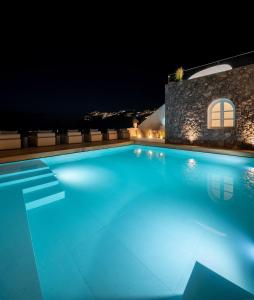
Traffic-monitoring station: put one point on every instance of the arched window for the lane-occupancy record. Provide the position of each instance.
(220, 187)
(221, 113)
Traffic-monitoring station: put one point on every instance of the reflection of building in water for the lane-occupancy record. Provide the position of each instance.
(149, 154)
(138, 152)
(191, 163)
(191, 172)
(220, 187)
(249, 179)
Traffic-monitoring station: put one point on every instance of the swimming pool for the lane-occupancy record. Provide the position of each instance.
(130, 222)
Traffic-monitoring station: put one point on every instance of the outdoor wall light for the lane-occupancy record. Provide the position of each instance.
(192, 135)
(249, 140)
(135, 123)
(248, 133)
(161, 134)
(191, 129)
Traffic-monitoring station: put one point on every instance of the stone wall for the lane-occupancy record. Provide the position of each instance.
(187, 103)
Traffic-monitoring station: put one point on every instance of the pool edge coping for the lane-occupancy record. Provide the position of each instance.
(231, 152)
(85, 148)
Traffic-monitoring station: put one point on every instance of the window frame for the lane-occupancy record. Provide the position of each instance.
(221, 101)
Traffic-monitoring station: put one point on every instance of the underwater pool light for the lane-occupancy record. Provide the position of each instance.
(84, 176)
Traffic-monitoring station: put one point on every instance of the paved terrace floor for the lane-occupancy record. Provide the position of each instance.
(37, 152)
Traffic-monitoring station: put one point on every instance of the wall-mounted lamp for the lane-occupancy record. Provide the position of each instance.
(135, 123)
(248, 133)
(191, 130)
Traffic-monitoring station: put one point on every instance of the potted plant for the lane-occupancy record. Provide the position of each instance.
(179, 74)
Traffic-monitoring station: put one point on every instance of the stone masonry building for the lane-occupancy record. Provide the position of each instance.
(215, 110)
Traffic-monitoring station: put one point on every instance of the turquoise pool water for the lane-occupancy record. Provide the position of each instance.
(131, 222)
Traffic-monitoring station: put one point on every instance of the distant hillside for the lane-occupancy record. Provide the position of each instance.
(35, 121)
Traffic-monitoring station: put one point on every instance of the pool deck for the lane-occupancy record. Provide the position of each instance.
(7, 156)
(37, 152)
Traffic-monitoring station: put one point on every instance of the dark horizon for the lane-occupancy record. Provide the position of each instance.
(64, 76)
(118, 79)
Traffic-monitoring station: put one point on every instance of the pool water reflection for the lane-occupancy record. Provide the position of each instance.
(135, 220)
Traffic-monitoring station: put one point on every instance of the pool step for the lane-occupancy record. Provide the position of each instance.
(26, 176)
(39, 184)
(22, 167)
(43, 194)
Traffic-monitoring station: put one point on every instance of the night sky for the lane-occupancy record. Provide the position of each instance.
(66, 71)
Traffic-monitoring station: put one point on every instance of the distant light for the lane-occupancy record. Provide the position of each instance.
(161, 154)
(139, 135)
